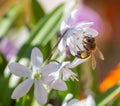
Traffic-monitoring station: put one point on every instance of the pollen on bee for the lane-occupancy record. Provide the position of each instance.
(84, 55)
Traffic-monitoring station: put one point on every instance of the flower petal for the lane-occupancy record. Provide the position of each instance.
(22, 89)
(61, 46)
(63, 64)
(49, 68)
(77, 103)
(48, 80)
(67, 73)
(72, 102)
(59, 85)
(63, 27)
(76, 62)
(48, 72)
(91, 32)
(71, 17)
(19, 70)
(40, 93)
(90, 101)
(36, 57)
(72, 45)
(83, 25)
(67, 98)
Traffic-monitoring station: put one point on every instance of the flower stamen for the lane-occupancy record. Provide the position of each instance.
(37, 76)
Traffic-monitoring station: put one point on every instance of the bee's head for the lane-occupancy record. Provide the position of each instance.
(89, 39)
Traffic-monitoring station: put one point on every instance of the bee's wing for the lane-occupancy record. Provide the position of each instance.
(93, 61)
(99, 53)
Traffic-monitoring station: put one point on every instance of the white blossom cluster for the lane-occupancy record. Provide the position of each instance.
(68, 101)
(53, 75)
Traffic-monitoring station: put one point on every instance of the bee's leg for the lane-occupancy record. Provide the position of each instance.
(83, 54)
(79, 54)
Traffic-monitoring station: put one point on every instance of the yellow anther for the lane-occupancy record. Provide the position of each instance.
(84, 55)
(37, 76)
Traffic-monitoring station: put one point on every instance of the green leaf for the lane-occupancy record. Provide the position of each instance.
(48, 30)
(3, 63)
(50, 27)
(43, 31)
(106, 97)
(5, 91)
(8, 20)
(117, 102)
(37, 10)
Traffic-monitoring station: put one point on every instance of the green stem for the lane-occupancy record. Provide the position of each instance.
(54, 48)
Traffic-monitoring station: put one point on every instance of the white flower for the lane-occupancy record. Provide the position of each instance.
(89, 101)
(37, 76)
(66, 72)
(75, 43)
(62, 74)
(74, 32)
(73, 36)
(67, 98)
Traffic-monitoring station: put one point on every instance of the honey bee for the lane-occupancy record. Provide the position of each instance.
(90, 47)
